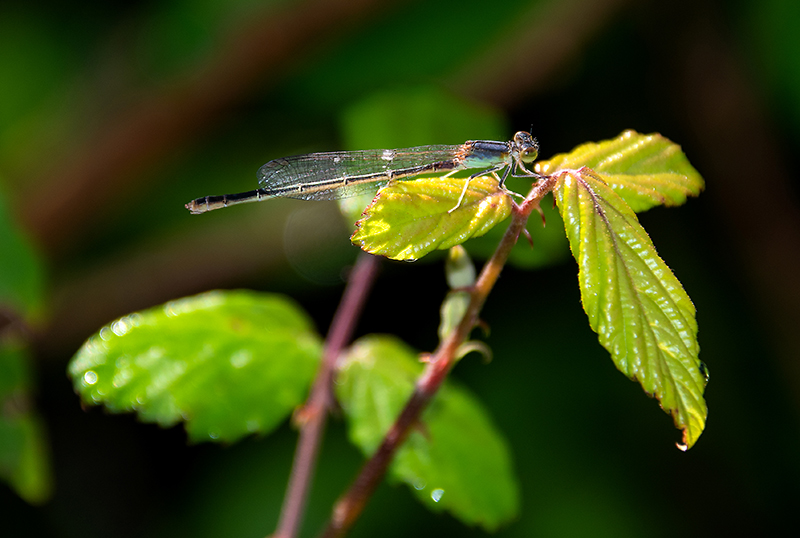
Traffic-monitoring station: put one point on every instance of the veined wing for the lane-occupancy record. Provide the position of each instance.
(339, 174)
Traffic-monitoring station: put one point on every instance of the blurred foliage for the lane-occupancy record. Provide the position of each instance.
(75, 75)
(24, 450)
(22, 275)
(418, 116)
(773, 46)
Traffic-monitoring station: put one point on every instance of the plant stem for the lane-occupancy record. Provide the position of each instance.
(348, 508)
(311, 418)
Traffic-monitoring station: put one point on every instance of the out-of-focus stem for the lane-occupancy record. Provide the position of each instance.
(312, 417)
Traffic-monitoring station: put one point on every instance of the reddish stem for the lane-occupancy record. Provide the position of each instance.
(352, 503)
(311, 418)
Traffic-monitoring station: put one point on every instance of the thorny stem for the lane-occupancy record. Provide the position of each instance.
(311, 418)
(348, 508)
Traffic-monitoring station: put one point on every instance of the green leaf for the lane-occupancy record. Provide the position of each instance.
(226, 363)
(404, 116)
(24, 452)
(639, 310)
(21, 270)
(409, 219)
(456, 460)
(645, 170)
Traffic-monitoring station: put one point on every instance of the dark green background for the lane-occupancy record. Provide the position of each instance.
(115, 114)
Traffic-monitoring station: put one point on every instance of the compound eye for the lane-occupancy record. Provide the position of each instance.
(530, 154)
(522, 139)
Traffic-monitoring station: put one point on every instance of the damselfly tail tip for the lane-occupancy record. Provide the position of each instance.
(196, 207)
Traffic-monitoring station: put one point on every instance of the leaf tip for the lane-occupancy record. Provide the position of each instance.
(687, 441)
(691, 433)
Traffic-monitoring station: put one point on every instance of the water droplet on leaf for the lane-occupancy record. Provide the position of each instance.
(704, 371)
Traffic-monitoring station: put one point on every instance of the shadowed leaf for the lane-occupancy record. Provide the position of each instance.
(24, 448)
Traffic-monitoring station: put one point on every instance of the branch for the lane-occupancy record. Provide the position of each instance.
(352, 503)
(312, 416)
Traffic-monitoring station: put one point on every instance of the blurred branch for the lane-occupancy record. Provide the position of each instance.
(545, 40)
(60, 204)
(312, 416)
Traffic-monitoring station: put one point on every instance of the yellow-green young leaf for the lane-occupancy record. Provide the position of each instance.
(639, 310)
(645, 170)
(455, 460)
(409, 219)
(225, 363)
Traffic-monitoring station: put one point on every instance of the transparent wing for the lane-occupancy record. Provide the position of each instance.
(340, 174)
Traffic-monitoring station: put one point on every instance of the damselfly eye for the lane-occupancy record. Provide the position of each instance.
(530, 154)
(521, 138)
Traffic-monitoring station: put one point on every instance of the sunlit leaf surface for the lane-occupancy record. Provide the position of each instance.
(639, 310)
(225, 363)
(408, 219)
(456, 460)
(645, 170)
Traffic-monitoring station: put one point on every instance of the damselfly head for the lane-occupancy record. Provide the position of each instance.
(527, 146)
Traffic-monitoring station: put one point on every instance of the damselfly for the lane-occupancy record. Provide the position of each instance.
(339, 174)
